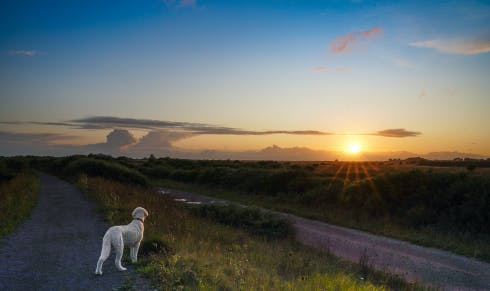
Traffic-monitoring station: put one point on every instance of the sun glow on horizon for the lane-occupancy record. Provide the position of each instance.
(354, 148)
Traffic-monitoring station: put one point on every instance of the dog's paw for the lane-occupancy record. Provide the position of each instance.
(98, 273)
(121, 268)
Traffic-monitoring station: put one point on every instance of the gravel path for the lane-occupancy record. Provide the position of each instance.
(429, 266)
(58, 246)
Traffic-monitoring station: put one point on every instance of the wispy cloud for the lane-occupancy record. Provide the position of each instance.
(25, 53)
(181, 3)
(16, 137)
(455, 46)
(320, 69)
(397, 132)
(346, 43)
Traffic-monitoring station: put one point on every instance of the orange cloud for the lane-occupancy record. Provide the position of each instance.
(346, 43)
(319, 69)
(462, 47)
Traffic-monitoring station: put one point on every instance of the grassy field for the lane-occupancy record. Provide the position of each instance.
(17, 198)
(185, 251)
(442, 204)
(465, 244)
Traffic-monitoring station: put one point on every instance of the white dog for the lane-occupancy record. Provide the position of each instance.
(120, 236)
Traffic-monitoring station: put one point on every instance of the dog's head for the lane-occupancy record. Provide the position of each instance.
(140, 212)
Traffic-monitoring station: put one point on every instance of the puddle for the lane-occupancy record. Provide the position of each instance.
(193, 202)
(180, 199)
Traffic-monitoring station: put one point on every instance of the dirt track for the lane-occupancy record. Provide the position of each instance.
(415, 263)
(58, 246)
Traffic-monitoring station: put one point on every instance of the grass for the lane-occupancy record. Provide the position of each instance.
(478, 248)
(185, 252)
(17, 198)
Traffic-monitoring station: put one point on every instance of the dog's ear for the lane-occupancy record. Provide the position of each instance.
(135, 212)
(138, 211)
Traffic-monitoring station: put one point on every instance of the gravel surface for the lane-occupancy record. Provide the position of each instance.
(433, 267)
(58, 246)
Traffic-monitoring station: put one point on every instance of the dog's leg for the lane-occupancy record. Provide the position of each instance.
(119, 248)
(104, 254)
(134, 253)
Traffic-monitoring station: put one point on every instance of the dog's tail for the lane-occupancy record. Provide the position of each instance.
(106, 247)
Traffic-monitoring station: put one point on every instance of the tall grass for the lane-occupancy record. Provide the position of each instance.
(17, 198)
(181, 251)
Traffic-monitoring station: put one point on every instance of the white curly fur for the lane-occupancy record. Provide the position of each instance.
(121, 236)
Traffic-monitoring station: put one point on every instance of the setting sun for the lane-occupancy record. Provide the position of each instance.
(354, 148)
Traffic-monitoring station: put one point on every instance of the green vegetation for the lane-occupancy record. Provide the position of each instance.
(93, 165)
(253, 220)
(184, 251)
(442, 207)
(18, 191)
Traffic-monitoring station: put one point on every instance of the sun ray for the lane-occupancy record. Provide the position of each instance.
(369, 179)
(346, 177)
(336, 175)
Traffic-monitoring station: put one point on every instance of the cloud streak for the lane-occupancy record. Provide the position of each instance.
(347, 43)
(188, 129)
(397, 132)
(25, 53)
(108, 122)
(454, 46)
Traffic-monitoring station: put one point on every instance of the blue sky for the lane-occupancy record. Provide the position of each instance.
(254, 65)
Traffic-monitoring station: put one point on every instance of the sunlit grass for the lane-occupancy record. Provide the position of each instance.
(200, 254)
(17, 198)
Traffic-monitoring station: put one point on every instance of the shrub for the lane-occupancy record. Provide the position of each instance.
(106, 169)
(253, 220)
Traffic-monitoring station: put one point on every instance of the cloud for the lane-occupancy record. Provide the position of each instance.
(181, 3)
(398, 132)
(454, 46)
(319, 69)
(26, 53)
(14, 143)
(346, 43)
(157, 141)
(188, 129)
(33, 137)
(117, 142)
(108, 122)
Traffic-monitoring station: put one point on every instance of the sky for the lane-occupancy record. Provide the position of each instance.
(246, 79)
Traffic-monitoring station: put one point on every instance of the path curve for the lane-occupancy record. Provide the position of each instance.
(57, 247)
(429, 266)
